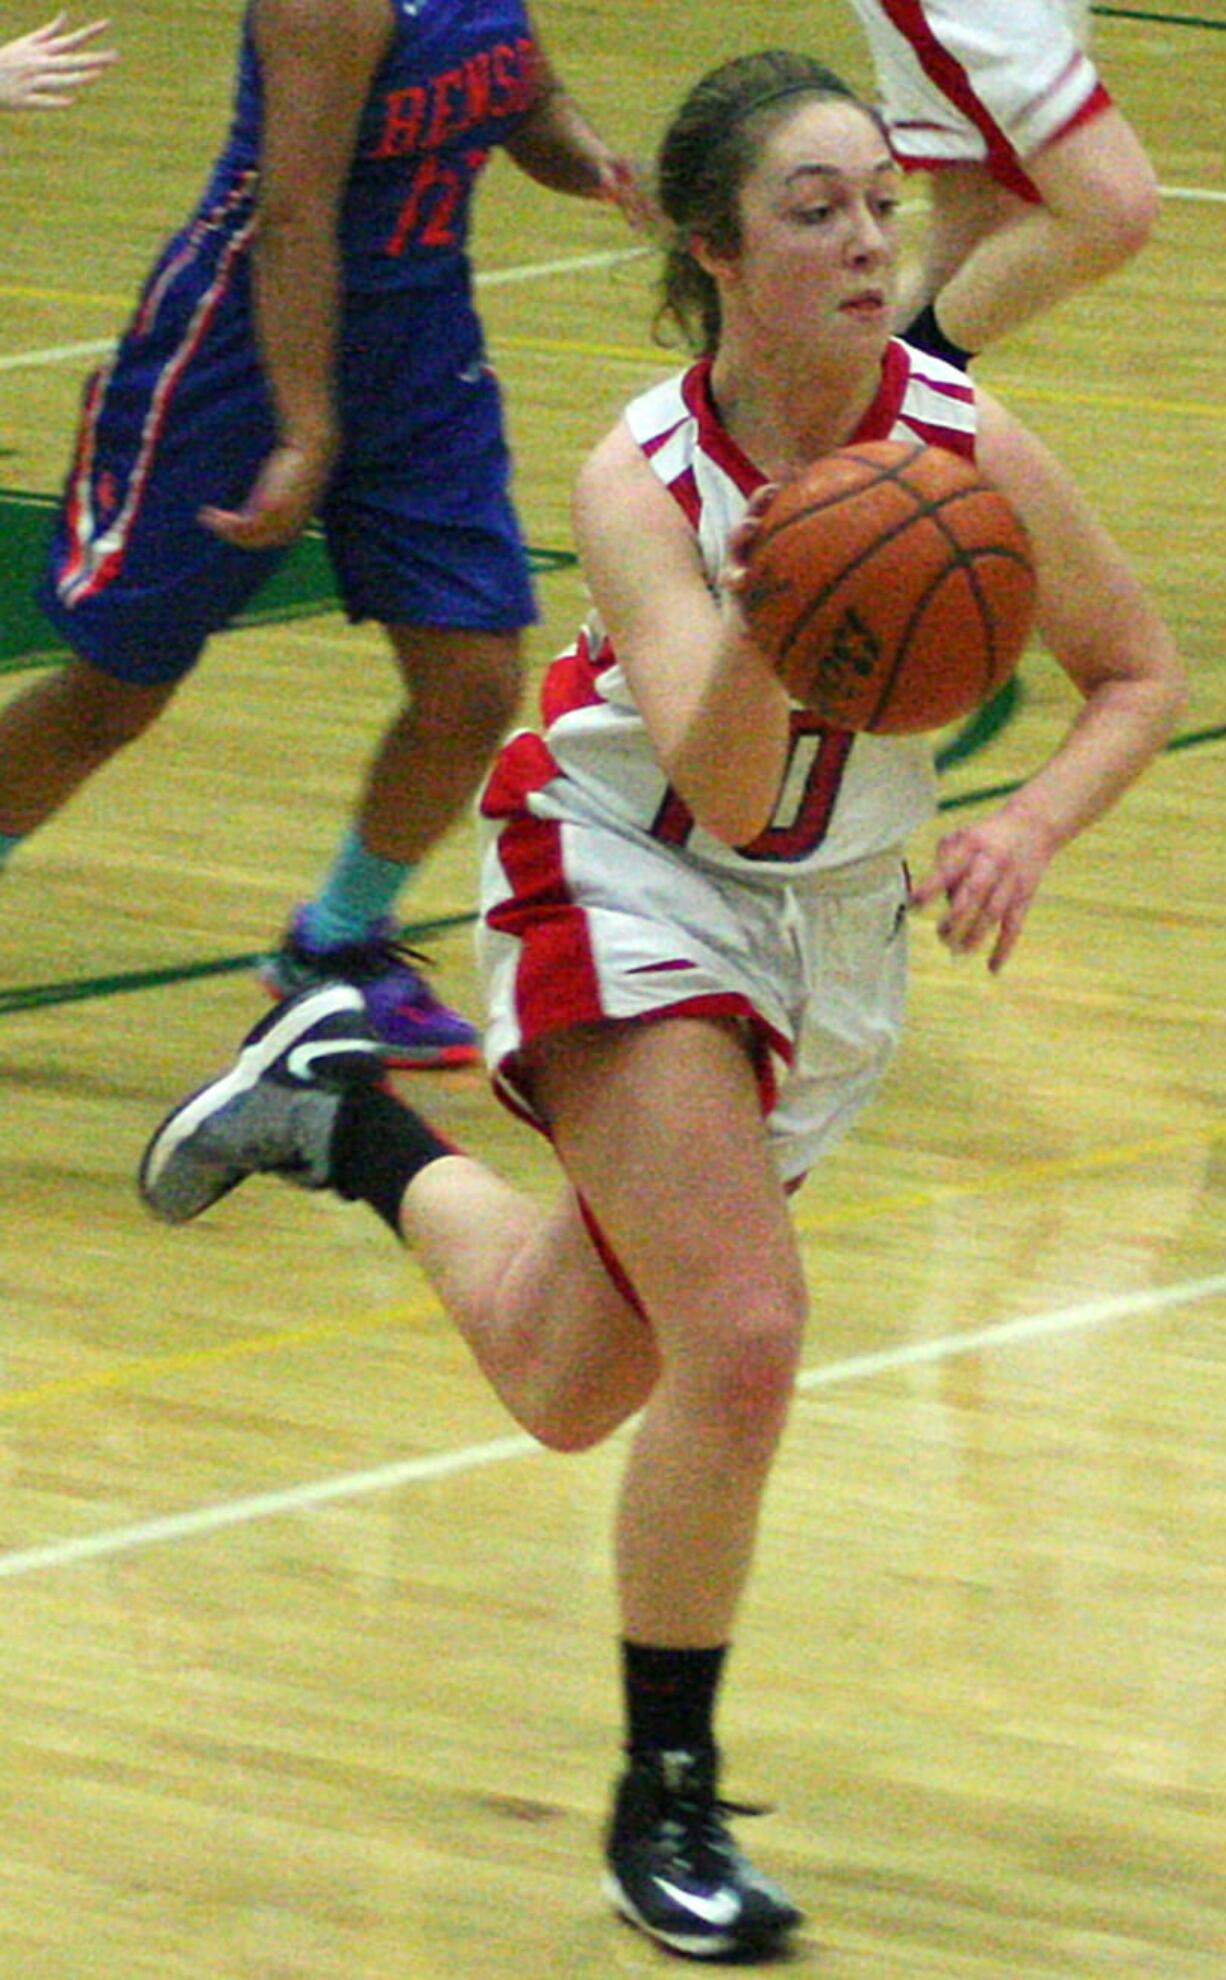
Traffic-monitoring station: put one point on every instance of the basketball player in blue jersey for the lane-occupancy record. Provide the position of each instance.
(694, 933)
(307, 345)
(43, 70)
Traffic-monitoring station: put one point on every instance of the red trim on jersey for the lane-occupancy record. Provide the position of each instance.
(717, 443)
(714, 439)
(85, 571)
(570, 679)
(879, 419)
(524, 765)
(684, 491)
(659, 440)
(955, 83)
(1097, 101)
(942, 436)
(556, 984)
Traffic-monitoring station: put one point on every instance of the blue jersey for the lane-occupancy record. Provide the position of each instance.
(418, 515)
(455, 83)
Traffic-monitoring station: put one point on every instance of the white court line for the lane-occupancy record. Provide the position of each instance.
(530, 271)
(492, 278)
(473, 1457)
(54, 354)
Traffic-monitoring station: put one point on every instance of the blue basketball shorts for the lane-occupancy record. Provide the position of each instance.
(417, 517)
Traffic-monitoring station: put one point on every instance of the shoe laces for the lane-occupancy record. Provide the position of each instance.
(693, 1825)
(376, 955)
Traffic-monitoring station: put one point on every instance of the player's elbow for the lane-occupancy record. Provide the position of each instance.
(735, 818)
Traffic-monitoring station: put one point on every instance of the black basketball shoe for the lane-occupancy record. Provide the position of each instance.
(675, 1872)
(272, 1112)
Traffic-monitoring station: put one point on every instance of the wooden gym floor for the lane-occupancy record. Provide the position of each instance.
(308, 1658)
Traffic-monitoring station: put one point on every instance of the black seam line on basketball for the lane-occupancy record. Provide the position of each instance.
(926, 508)
(43, 996)
(815, 508)
(963, 560)
(963, 563)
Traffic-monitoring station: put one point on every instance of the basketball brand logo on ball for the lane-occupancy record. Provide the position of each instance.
(893, 587)
(852, 658)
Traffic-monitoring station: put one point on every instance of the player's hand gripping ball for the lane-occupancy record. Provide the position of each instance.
(892, 587)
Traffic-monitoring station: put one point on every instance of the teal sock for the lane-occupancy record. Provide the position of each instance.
(7, 841)
(360, 889)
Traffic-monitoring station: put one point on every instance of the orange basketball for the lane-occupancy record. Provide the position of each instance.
(892, 586)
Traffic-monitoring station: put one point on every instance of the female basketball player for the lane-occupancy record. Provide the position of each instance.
(43, 70)
(1038, 185)
(308, 343)
(694, 931)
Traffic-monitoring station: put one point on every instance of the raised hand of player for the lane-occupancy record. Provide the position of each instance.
(44, 70)
(988, 874)
(284, 497)
(622, 185)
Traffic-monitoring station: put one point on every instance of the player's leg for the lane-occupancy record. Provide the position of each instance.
(461, 691)
(659, 1127)
(425, 540)
(134, 585)
(1038, 184)
(303, 1099)
(55, 733)
(965, 205)
(1099, 204)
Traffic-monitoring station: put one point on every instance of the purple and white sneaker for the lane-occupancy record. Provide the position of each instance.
(415, 1030)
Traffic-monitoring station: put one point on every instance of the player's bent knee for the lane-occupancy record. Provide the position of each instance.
(1121, 226)
(748, 1385)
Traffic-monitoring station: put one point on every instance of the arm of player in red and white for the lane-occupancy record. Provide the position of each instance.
(1106, 633)
(718, 719)
(317, 58)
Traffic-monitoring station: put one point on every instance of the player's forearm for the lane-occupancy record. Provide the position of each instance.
(297, 277)
(731, 749)
(1123, 725)
(559, 148)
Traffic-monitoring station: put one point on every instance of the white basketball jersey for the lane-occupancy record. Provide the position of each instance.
(844, 797)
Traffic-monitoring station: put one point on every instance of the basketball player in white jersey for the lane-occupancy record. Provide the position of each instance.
(1039, 185)
(694, 912)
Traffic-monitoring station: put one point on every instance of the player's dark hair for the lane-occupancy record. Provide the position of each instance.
(709, 149)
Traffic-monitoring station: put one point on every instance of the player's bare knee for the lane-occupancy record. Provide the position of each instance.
(748, 1384)
(478, 706)
(1125, 222)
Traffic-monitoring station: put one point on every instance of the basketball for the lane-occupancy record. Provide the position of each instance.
(892, 587)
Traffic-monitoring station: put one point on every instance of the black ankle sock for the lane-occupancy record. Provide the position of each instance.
(927, 335)
(378, 1146)
(670, 1697)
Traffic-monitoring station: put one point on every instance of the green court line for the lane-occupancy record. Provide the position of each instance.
(40, 996)
(302, 585)
(1166, 20)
